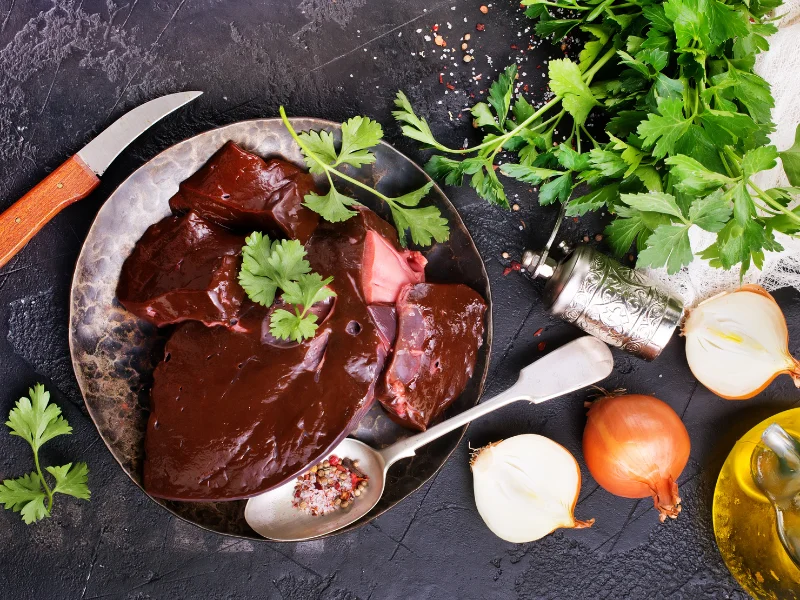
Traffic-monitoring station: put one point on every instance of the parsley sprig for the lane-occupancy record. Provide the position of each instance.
(686, 129)
(37, 421)
(270, 265)
(359, 134)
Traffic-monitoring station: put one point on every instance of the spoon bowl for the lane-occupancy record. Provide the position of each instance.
(272, 515)
(575, 365)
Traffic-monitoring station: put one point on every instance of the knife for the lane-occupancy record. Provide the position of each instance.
(79, 175)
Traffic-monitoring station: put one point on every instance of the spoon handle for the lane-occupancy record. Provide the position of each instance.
(575, 365)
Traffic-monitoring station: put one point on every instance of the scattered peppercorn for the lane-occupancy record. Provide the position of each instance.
(484, 9)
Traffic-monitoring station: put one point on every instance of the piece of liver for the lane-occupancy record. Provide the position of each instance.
(183, 268)
(440, 329)
(234, 415)
(239, 190)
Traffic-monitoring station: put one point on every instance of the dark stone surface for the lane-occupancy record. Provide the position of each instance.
(68, 68)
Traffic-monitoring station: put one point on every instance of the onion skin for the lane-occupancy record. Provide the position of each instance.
(793, 371)
(637, 446)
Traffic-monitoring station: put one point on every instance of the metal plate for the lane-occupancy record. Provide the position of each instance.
(114, 353)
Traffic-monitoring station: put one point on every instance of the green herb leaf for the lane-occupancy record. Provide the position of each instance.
(71, 480)
(759, 159)
(558, 189)
(35, 420)
(25, 496)
(711, 213)
(424, 224)
(668, 246)
(694, 178)
(269, 265)
(528, 174)
(500, 93)
(654, 202)
(413, 126)
(791, 160)
(359, 134)
(321, 144)
(664, 129)
(291, 326)
(333, 206)
(484, 117)
(594, 200)
(567, 83)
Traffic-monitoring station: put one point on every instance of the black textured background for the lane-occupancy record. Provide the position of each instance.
(68, 68)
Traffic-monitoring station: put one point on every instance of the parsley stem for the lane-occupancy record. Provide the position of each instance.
(772, 202)
(329, 169)
(566, 6)
(47, 489)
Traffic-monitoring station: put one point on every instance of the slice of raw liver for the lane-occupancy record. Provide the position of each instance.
(440, 329)
(183, 268)
(239, 190)
(233, 414)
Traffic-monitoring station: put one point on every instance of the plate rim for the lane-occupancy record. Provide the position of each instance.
(373, 514)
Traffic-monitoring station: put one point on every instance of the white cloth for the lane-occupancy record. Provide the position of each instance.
(780, 67)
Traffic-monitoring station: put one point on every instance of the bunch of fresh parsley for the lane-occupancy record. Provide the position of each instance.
(359, 134)
(686, 129)
(268, 266)
(37, 422)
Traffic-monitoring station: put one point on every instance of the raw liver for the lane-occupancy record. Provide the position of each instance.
(183, 268)
(233, 416)
(440, 328)
(239, 190)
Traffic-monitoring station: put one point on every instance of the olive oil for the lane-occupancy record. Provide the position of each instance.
(745, 520)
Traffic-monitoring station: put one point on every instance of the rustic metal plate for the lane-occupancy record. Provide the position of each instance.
(114, 353)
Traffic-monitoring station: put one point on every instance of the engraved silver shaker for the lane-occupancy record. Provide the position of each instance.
(616, 304)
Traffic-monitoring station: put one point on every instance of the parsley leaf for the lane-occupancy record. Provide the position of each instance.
(791, 160)
(303, 294)
(664, 129)
(25, 496)
(500, 93)
(567, 83)
(268, 266)
(333, 206)
(359, 134)
(37, 421)
(71, 480)
(668, 246)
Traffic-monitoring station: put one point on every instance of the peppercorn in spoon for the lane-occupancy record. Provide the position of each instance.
(277, 516)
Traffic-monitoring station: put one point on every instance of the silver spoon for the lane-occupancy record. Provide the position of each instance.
(580, 363)
(775, 467)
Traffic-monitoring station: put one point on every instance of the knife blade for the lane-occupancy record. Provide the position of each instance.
(80, 174)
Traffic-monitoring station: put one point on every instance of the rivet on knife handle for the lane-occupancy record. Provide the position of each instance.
(69, 183)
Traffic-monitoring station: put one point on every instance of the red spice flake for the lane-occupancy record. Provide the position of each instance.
(525, 88)
(541, 346)
(334, 460)
(441, 77)
(459, 116)
(514, 47)
(538, 332)
(514, 266)
(574, 219)
(538, 66)
(450, 86)
(435, 27)
(480, 26)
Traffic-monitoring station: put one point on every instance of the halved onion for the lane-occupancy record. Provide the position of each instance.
(526, 487)
(737, 343)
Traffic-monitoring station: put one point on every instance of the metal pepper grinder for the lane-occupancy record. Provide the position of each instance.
(616, 304)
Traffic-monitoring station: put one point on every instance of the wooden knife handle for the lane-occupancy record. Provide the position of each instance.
(69, 183)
